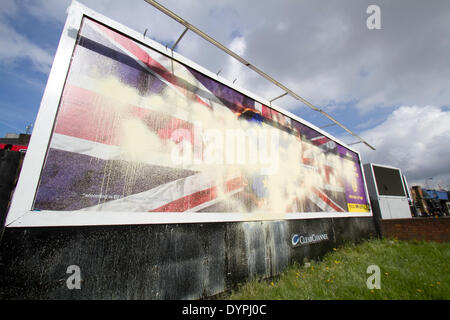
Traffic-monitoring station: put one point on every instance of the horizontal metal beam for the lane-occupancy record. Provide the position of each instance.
(249, 65)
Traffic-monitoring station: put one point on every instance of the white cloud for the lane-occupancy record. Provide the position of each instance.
(8, 8)
(16, 46)
(414, 139)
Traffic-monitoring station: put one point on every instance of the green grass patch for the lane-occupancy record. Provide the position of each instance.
(409, 270)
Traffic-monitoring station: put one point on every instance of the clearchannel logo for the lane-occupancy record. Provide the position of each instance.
(298, 240)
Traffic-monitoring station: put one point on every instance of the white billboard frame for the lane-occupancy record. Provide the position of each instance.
(21, 214)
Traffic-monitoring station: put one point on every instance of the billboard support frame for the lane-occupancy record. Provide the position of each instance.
(21, 213)
(252, 67)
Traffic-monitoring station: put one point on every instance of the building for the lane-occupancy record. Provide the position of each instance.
(438, 202)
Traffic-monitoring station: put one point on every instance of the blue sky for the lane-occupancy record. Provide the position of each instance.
(377, 82)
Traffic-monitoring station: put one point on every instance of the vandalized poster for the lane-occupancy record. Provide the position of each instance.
(137, 131)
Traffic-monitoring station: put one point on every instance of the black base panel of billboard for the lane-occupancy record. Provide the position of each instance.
(170, 261)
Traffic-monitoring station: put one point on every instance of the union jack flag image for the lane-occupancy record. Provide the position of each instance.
(126, 107)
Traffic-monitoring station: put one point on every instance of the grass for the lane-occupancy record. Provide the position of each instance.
(409, 270)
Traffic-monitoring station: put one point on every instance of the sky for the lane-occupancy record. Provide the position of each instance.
(390, 85)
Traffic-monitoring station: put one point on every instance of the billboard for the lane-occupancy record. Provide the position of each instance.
(131, 132)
